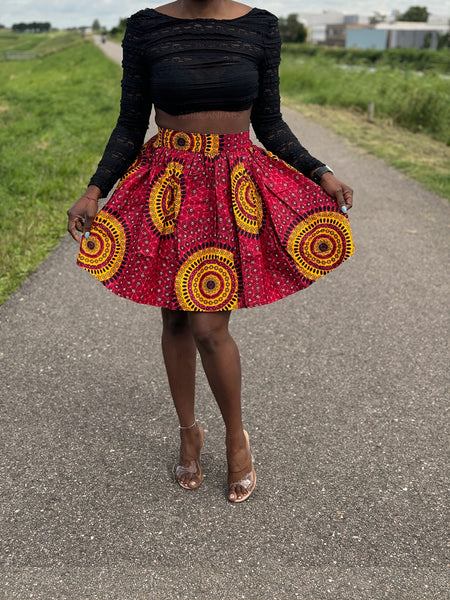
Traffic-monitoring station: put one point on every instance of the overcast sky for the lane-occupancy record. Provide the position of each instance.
(74, 13)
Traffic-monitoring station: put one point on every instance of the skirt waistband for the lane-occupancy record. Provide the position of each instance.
(210, 144)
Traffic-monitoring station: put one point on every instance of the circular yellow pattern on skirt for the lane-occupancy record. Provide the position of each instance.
(183, 141)
(247, 203)
(166, 195)
(207, 281)
(320, 243)
(102, 254)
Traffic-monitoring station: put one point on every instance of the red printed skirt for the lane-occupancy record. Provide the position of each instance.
(209, 222)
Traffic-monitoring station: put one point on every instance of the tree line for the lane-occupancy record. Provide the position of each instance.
(34, 27)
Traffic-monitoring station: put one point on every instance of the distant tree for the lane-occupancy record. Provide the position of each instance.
(120, 28)
(427, 40)
(2, 26)
(377, 17)
(415, 13)
(33, 27)
(96, 25)
(291, 30)
(443, 41)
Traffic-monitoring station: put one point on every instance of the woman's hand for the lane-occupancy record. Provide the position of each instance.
(337, 189)
(82, 213)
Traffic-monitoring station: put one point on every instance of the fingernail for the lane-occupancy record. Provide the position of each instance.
(344, 209)
(86, 235)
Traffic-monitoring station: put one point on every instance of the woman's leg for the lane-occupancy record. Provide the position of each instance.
(179, 351)
(222, 365)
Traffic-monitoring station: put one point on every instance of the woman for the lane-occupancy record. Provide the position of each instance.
(202, 221)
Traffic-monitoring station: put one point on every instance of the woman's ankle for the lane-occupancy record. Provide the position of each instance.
(185, 427)
(237, 446)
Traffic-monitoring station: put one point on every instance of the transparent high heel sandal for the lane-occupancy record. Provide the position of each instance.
(191, 468)
(247, 481)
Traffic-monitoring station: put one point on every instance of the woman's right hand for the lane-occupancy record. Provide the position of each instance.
(82, 213)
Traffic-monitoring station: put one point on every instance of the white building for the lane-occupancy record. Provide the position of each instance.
(316, 23)
(410, 34)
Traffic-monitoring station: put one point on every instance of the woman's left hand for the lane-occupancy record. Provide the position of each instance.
(337, 189)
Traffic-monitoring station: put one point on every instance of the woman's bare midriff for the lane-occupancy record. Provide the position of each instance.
(217, 121)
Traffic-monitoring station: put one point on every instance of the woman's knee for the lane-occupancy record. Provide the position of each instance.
(209, 330)
(175, 322)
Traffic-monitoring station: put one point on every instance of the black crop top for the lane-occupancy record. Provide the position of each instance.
(184, 66)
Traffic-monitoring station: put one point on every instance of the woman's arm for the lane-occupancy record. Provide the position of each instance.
(266, 118)
(135, 107)
(126, 139)
(275, 134)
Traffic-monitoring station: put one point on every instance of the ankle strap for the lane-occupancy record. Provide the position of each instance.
(189, 427)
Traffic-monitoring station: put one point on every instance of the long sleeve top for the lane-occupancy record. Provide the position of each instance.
(184, 66)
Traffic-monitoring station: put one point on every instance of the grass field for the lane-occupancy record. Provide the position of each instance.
(409, 59)
(56, 114)
(40, 44)
(413, 100)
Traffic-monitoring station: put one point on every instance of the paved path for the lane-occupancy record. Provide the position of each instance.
(345, 390)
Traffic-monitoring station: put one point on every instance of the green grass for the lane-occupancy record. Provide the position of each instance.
(39, 43)
(417, 102)
(403, 58)
(56, 114)
(414, 154)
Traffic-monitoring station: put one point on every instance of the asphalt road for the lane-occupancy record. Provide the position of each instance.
(345, 395)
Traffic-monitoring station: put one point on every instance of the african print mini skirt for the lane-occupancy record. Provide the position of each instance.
(209, 222)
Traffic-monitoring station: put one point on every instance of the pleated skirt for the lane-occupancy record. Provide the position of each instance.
(211, 222)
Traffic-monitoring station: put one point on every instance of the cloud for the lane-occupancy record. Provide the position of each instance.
(67, 13)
